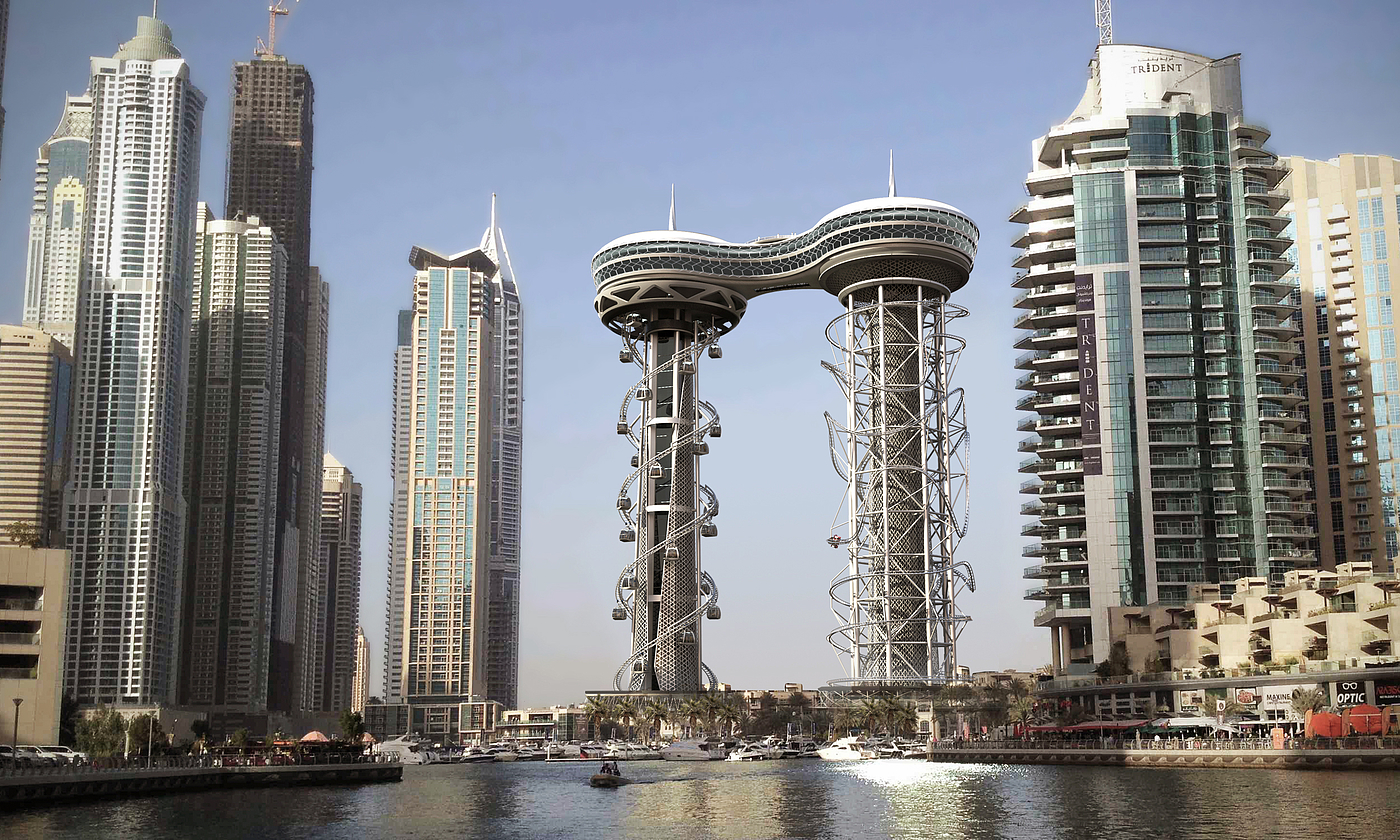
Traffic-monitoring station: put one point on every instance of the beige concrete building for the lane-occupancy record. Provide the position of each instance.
(555, 723)
(35, 375)
(33, 588)
(1344, 214)
(337, 605)
(1318, 621)
(359, 693)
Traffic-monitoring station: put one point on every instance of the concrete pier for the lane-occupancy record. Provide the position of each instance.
(62, 784)
(1266, 759)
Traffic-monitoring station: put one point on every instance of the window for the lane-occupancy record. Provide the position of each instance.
(1329, 417)
(1334, 483)
(1332, 449)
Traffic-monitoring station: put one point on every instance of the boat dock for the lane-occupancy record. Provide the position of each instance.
(1310, 758)
(73, 783)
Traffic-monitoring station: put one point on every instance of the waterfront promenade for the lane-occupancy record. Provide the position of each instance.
(1358, 753)
(51, 784)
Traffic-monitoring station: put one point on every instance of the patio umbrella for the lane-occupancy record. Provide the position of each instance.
(315, 736)
(1364, 719)
(1327, 725)
(367, 738)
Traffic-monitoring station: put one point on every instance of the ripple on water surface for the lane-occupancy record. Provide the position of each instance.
(679, 801)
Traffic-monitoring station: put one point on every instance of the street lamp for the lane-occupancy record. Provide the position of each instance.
(14, 741)
(150, 738)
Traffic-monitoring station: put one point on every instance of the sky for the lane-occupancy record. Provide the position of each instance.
(765, 115)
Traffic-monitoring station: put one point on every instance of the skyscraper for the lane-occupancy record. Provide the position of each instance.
(306, 587)
(235, 390)
(503, 565)
(269, 176)
(359, 693)
(1344, 215)
(399, 475)
(56, 224)
(124, 509)
(446, 553)
(36, 373)
(1160, 336)
(338, 608)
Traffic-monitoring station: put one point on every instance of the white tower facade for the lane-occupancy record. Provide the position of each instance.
(124, 510)
(503, 565)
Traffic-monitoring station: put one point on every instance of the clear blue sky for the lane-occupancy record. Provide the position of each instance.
(766, 114)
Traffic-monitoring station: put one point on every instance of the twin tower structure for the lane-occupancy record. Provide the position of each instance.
(893, 263)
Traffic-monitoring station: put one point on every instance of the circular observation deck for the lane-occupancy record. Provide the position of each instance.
(868, 242)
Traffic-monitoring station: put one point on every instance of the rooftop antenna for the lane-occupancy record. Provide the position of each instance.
(155, 8)
(273, 13)
(673, 207)
(1103, 17)
(892, 192)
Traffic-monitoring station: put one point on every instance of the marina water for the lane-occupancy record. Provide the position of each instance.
(770, 799)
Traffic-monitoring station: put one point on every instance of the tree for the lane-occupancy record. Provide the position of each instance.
(239, 738)
(1117, 663)
(870, 712)
(1022, 713)
(1019, 689)
(656, 712)
(102, 733)
(200, 729)
(597, 709)
(25, 534)
(1308, 700)
(68, 721)
(690, 710)
(900, 717)
(352, 725)
(733, 716)
(144, 729)
(626, 710)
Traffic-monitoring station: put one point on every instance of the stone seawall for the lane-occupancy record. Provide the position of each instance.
(1309, 759)
(53, 787)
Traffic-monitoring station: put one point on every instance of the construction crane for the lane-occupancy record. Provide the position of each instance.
(1103, 17)
(273, 13)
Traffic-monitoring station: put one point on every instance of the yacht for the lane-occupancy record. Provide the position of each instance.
(843, 749)
(692, 750)
(403, 749)
(502, 754)
(749, 752)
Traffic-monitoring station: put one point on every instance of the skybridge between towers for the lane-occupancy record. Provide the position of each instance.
(901, 447)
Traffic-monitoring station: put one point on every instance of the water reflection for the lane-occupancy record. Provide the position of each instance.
(720, 800)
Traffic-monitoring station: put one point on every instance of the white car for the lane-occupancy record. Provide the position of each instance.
(67, 754)
(38, 757)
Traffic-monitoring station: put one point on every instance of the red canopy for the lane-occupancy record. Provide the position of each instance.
(1365, 719)
(1327, 725)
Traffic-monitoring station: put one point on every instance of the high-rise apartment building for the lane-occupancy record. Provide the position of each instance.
(446, 555)
(359, 692)
(231, 455)
(124, 505)
(338, 608)
(304, 583)
(503, 565)
(56, 224)
(399, 475)
(1161, 355)
(36, 374)
(269, 176)
(1344, 215)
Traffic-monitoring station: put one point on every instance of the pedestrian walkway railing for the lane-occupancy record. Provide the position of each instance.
(192, 762)
(1356, 742)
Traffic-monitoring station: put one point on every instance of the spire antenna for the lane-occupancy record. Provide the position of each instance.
(1103, 18)
(493, 211)
(892, 191)
(673, 207)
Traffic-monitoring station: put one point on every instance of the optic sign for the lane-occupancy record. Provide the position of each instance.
(1088, 373)
(1351, 693)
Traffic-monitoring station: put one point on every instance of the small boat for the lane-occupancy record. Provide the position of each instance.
(695, 750)
(609, 777)
(748, 752)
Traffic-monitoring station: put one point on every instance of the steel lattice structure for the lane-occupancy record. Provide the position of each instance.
(893, 262)
(903, 451)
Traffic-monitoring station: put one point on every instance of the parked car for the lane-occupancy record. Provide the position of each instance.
(7, 757)
(67, 754)
(37, 757)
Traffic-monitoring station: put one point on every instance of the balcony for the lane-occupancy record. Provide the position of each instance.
(20, 638)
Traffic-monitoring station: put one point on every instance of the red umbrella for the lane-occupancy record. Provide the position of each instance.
(1327, 725)
(1364, 719)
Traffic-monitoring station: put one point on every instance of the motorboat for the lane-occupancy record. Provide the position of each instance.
(563, 752)
(526, 754)
(475, 756)
(630, 752)
(749, 752)
(609, 776)
(843, 749)
(693, 750)
(404, 749)
(502, 754)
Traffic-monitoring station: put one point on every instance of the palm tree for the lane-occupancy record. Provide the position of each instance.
(900, 716)
(1019, 689)
(710, 708)
(597, 710)
(732, 716)
(656, 711)
(690, 710)
(846, 718)
(1308, 700)
(869, 712)
(626, 710)
(1022, 713)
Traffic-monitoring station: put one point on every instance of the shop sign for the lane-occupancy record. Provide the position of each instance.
(1349, 693)
(1190, 700)
(1388, 692)
(1246, 696)
(1279, 698)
